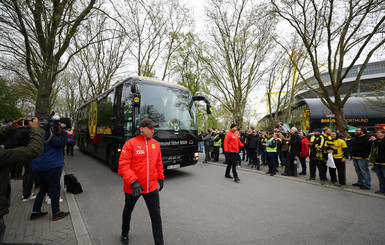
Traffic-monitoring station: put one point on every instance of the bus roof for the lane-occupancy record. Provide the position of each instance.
(138, 80)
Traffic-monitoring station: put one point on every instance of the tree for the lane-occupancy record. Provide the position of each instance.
(335, 38)
(378, 102)
(153, 28)
(8, 103)
(95, 67)
(241, 37)
(38, 34)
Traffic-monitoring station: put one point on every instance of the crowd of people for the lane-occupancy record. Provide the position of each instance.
(326, 150)
(41, 154)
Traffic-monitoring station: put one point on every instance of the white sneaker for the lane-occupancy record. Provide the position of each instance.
(31, 197)
(49, 200)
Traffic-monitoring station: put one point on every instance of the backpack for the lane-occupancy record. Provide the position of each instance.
(72, 184)
(71, 139)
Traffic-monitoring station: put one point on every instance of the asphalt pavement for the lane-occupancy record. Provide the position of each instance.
(200, 206)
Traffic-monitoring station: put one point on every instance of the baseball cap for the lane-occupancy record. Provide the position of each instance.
(148, 123)
(318, 130)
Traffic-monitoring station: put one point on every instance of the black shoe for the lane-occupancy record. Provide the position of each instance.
(285, 174)
(236, 180)
(228, 176)
(37, 215)
(272, 174)
(268, 172)
(60, 215)
(379, 193)
(364, 188)
(124, 239)
(356, 184)
(302, 174)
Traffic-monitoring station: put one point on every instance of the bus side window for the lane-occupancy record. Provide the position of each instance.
(127, 114)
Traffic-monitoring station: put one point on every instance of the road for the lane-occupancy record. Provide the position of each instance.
(200, 206)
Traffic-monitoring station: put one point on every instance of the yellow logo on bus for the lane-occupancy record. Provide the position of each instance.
(92, 119)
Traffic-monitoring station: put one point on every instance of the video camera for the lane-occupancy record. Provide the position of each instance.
(54, 122)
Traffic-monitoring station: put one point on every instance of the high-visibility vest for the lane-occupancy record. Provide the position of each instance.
(217, 143)
(270, 149)
(171, 124)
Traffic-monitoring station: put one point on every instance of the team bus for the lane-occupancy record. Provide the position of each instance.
(105, 123)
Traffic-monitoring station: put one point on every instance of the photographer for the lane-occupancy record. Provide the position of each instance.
(11, 156)
(48, 169)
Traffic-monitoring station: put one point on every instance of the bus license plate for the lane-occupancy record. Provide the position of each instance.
(173, 166)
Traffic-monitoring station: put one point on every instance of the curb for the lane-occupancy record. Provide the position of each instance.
(307, 182)
(81, 232)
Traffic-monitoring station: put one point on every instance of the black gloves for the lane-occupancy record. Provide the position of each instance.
(160, 181)
(136, 189)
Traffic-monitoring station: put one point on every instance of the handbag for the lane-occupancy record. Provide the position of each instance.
(330, 163)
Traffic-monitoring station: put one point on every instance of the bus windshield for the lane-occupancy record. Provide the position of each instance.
(168, 106)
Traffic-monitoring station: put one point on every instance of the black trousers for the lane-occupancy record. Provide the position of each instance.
(232, 164)
(216, 153)
(321, 165)
(303, 164)
(313, 167)
(253, 155)
(152, 202)
(341, 172)
(289, 165)
(270, 159)
(28, 179)
(207, 153)
(70, 149)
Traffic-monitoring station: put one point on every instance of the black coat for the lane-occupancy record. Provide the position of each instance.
(295, 144)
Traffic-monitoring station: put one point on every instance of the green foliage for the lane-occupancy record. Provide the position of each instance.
(8, 107)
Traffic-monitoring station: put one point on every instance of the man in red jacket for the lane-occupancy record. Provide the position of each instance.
(231, 146)
(141, 168)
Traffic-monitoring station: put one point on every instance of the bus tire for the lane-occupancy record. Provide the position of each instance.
(111, 160)
(82, 148)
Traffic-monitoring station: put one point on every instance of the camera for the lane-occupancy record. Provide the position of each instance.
(54, 122)
(26, 121)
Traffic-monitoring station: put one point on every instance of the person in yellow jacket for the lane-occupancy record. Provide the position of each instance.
(339, 149)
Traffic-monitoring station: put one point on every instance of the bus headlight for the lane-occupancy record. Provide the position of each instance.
(196, 156)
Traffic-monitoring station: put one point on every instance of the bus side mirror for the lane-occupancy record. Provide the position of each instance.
(208, 105)
(136, 100)
(208, 108)
(135, 88)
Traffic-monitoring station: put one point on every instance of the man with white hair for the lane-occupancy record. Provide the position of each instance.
(293, 151)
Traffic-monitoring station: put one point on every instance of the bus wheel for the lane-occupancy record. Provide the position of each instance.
(82, 149)
(111, 160)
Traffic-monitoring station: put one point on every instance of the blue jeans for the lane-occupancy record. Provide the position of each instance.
(380, 171)
(363, 172)
(200, 146)
(49, 184)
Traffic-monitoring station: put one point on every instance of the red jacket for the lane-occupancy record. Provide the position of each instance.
(232, 142)
(141, 160)
(304, 149)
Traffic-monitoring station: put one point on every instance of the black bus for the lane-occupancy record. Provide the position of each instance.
(106, 122)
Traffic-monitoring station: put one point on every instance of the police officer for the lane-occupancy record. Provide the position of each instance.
(271, 153)
(141, 168)
(217, 144)
(14, 155)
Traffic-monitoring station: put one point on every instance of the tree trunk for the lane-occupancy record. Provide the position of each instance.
(341, 123)
(47, 80)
